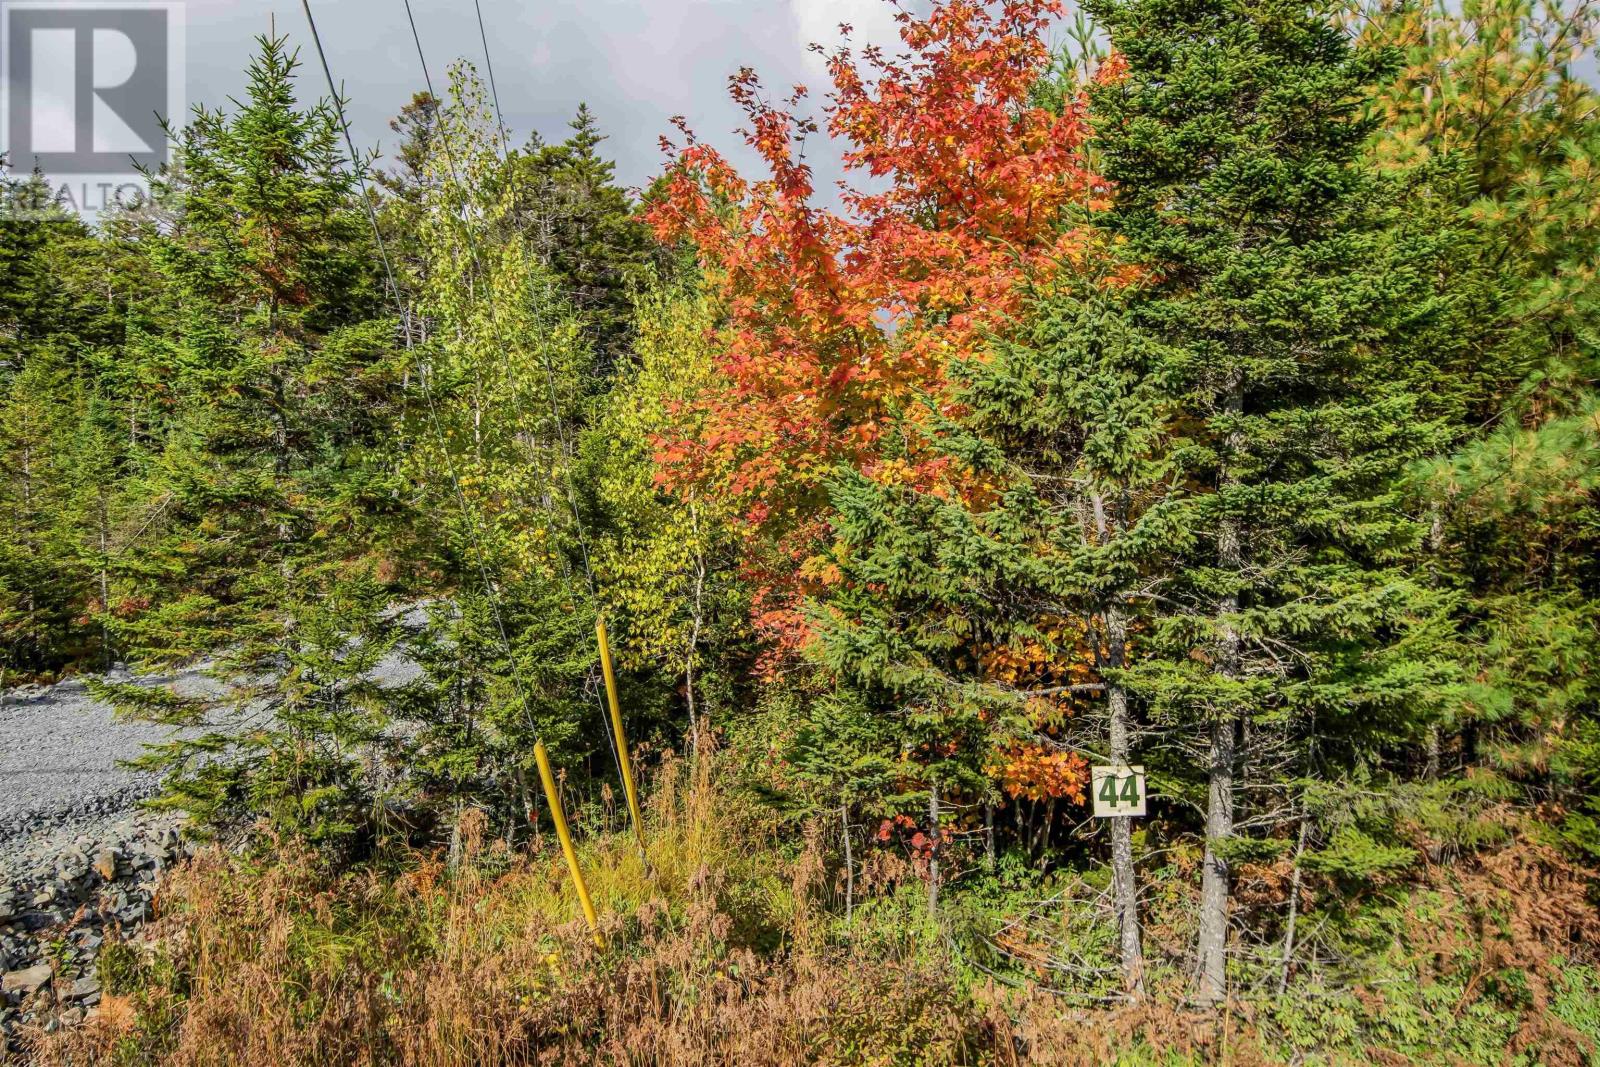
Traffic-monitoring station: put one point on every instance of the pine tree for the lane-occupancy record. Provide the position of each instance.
(1497, 134)
(583, 226)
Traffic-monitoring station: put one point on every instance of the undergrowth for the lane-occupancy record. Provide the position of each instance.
(726, 941)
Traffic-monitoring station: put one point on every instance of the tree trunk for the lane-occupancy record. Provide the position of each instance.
(1294, 900)
(1124, 887)
(104, 522)
(454, 860)
(694, 641)
(1042, 839)
(1212, 946)
(933, 851)
(1213, 941)
(849, 863)
(1430, 768)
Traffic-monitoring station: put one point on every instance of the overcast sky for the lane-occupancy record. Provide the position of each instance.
(636, 63)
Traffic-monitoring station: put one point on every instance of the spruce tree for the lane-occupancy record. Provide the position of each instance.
(1294, 634)
(276, 355)
(1067, 427)
(62, 405)
(271, 501)
(583, 226)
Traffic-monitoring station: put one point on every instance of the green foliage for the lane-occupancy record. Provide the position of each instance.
(263, 483)
(491, 436)
(1295, 444)
(664, 564)
(1352, 855)
(1497, 135)
(293, 731)
(1234, 141)
(584, 229)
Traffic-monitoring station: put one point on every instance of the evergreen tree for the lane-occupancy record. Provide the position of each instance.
(41, 591)
(501, 366)
(1198, 442)
(276, 358)
(583, 226)
(404, 187)
(1059, 527)
(272, 506)
(62, 305)
(1497, 134)
(1233, 135)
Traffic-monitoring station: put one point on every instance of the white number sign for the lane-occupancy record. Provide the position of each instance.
(1117, 791)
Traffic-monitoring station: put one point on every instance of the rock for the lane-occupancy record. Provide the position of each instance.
(73, 866)
(27, 981)
(72, 1017)
(83, 989)
(105, 864)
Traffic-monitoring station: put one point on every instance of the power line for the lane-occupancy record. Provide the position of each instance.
(563, 443)
(612, 736)
(494, 92)
(427, 390)
(490, 593)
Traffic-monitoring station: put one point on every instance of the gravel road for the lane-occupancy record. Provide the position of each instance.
(59, 753)
(60, 750)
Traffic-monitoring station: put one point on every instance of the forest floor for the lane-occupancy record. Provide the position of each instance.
(724, 941)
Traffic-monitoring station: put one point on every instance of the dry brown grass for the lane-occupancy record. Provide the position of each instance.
(722, 946)
(722, 958)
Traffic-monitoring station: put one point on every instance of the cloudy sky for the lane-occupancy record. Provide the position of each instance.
(636, 63)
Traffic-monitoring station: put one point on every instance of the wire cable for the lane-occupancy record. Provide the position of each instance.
(612, 738)
(494, 92)
(359, 171)
(494, 325)
(562, 439)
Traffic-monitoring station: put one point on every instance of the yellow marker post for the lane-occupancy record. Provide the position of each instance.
(565, 835)
(616, 728)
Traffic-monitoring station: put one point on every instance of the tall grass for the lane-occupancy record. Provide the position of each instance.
(717, 950)
(725, 943)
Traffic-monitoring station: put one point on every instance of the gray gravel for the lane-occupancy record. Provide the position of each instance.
(79, 861)
(59, 753)
(61, 903)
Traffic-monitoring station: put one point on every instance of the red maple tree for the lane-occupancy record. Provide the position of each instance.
(837, 320)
